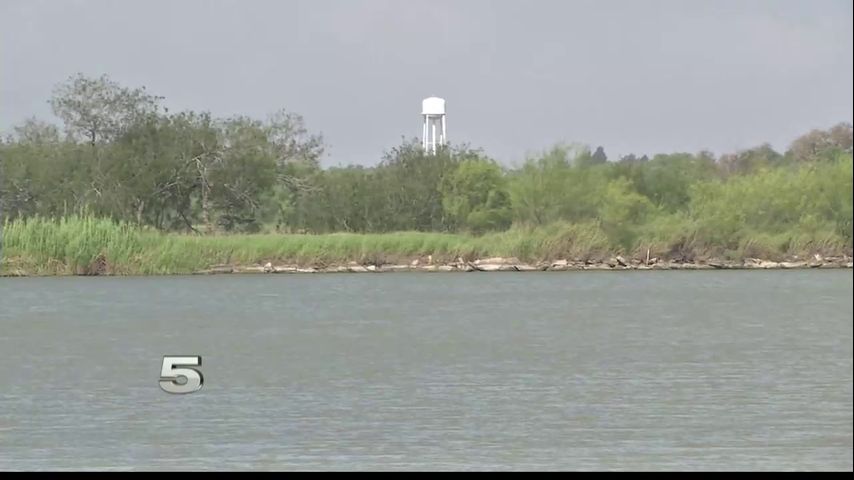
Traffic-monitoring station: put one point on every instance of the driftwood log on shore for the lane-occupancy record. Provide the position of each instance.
(500, 264)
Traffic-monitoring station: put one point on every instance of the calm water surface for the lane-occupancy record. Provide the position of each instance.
(583, 370)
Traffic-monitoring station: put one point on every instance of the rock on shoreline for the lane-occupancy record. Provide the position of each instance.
(500, 264)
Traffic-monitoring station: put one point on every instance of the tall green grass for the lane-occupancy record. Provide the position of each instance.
(87, 245)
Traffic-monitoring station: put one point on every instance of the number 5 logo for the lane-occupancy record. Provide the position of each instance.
(170, 374)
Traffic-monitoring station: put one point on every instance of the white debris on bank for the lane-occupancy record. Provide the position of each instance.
(501, 264)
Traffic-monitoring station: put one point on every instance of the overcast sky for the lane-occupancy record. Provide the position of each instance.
(636, 76)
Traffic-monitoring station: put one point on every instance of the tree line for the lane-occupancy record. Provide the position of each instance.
(119, 153)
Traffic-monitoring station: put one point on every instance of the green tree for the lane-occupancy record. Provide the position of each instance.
(410, 179)
(99, 109)
(749, 161)
(622, 211)
(298, 153)
(556, 186)
(243, 175)
(599, 156)
(475, 196)
(157, 165)
(821, 144)
(667, 179)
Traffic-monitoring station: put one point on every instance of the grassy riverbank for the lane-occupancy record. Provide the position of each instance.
(81, 245)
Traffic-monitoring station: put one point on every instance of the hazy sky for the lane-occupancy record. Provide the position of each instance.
(634, 76)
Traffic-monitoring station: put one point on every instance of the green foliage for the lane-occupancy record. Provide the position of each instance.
(550, 188)
(141, 171)
(667, 179)
(750, 161)
(73, 244)
(622, 211)
(808, 203)
(99, 109)
(475, 197)
(86, 245)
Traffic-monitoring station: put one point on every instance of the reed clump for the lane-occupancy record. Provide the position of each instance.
(86, 245)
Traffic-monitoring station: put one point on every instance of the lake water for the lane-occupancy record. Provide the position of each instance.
(575, 370)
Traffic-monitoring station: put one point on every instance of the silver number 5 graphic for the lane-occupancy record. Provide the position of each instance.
(170, 373)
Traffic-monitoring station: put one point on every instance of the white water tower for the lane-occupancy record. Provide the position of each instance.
(435, 130)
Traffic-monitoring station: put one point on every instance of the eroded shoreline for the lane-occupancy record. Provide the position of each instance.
(501, 264)
(494, 264)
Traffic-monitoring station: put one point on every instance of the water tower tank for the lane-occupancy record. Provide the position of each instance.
(433, 106)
